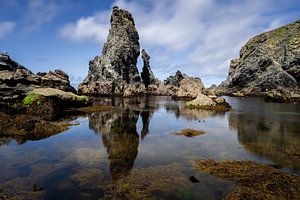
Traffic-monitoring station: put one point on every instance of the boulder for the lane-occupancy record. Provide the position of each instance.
(205, 102)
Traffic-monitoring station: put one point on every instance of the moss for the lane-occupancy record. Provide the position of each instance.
(189, 132)
(254, 181)
(30, 99)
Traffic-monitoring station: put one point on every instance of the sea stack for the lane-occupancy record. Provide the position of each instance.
(113, 71)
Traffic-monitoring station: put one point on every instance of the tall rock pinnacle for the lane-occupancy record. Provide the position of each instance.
(147, 74)
(116, 67)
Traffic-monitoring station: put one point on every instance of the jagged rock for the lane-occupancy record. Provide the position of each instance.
(182, 86)
(110, 73)
(268, 61)
(147, 74)
(175, 80)
(16, 80)
(57, 79)
(189, 88)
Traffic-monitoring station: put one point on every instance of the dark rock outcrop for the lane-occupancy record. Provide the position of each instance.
(16, 80)
(269, 63)
(147, 74)
(116, 68)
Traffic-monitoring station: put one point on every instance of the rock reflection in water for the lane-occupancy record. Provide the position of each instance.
(180, 110)
(120, 137)
(275, 138)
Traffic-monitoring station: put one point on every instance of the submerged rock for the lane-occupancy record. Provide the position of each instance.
(269, 61)
(116, 68)
(254, 181)
(26, 127)
(210, 103)
(189, 132)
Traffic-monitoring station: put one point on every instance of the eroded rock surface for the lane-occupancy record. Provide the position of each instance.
(116, 68)
(16, 80)
(182, 86)
(268, 63)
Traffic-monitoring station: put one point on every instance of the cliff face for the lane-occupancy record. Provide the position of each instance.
(111, 72)
(269, 61)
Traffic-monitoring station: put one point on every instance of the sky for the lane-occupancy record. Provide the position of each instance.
(198, 37)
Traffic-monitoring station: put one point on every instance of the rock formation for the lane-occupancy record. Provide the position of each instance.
(182, 86)
(16, 80)
(147, 74)
(116, 68)
(268, 63)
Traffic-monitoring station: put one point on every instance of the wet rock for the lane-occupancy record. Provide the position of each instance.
(116, 67)
(269, 61)
(205, 102)
(193, 179)
(26, 127)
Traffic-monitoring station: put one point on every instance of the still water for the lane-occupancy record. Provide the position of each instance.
(129, 152)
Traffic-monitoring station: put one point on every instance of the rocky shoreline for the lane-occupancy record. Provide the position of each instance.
(268, 66)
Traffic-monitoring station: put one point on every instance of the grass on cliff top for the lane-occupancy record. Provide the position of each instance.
(188, 132)
(254, 181)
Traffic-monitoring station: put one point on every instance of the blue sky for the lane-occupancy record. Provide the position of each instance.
(198, 37)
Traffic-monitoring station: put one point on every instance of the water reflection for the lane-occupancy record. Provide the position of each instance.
(270, 136)
(120, 137)
(180, 111)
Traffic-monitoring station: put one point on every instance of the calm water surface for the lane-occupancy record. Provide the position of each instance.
(131, 145)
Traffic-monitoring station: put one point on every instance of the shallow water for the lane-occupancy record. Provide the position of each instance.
(130, 149)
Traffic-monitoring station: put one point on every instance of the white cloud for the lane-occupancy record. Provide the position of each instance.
(40, 12)
(199, 37)
(6, 27)
(94, 28)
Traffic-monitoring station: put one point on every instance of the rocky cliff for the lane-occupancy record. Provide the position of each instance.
(116, 68)
(269, 64)
(16, 80)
